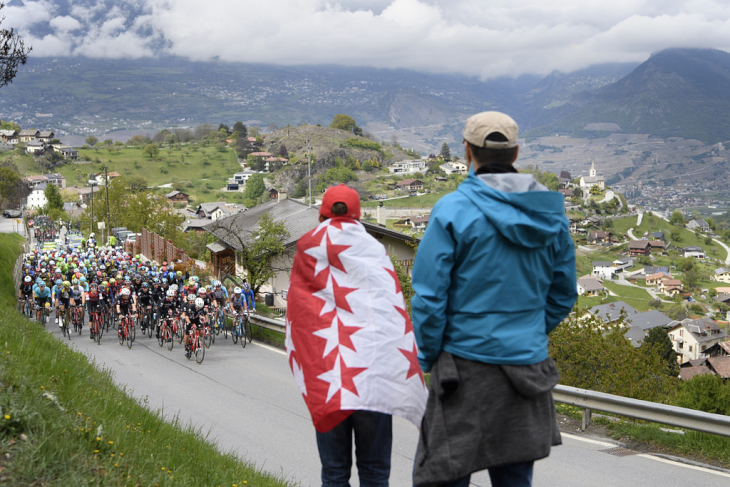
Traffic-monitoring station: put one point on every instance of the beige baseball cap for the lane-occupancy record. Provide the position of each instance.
(479, 126)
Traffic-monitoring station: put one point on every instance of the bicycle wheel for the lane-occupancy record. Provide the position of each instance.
(207, 337)
(168, 336)
(224, 326)
(161, 336)
(235, 330)
(97, 329)
(243, 332)
(129, 333)
(179, 331)
(100, 330)
(199, 350)
(120, 333)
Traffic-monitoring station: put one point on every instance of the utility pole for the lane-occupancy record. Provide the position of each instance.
(309, 164)
(106, 184)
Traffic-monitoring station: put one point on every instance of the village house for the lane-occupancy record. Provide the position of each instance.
(37, 197)
(694, 251)
(612, 312)
(691, 338)
(590, 286)
(598, 236)
(177, 197)
(218, 209)
(410, 184)
(28, 135)
(721, 275)
(639, 247)
(45, 136)
(408, 167)
(36, 147)
(656, 278)
(454, 167)
(670, 287)
(9, 136)
(603, 269)
(700, 225)
(51, 178)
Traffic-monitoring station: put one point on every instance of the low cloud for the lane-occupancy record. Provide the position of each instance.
(473, 37)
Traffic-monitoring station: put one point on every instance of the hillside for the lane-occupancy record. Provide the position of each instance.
(675, 93)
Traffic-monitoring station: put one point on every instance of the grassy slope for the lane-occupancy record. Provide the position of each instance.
(63, 422)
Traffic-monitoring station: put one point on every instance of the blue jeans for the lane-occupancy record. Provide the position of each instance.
(373, 443)
(511, 475)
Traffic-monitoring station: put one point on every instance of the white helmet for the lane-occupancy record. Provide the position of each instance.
(202, 290)
(170, 293)
(125, 291)
(199, 303)
(173, 288)
(237, 290)
(191, 297)
(27, 279)
(92, 234)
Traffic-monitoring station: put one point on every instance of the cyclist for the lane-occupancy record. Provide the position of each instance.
(25, 291)
(145, 300)
(195, 315)
(248, 296)
(94, 299)
(42, 296)
(125, 305)
(168, 307)
(63, 301)
(219, 295)
(238, 303)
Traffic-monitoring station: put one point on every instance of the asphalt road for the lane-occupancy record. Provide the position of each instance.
(247, 402)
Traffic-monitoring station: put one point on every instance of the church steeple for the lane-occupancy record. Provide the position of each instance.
(593, 169)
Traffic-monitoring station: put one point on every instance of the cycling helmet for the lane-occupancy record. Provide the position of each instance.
(195, 278)
(179, 273)
(237, 290)
(199, 303)
(126, 292)
(246, 287)
(82, 279)
(66, 284)
(170, 293)
(174, 287)
(112, 280)
(191, 297)
(164, 280)
(104, 283)
(202, 290)
(145, 285)
(156, 280)
(59, 283)
(27, 279)
(75, 282)
(41, 284)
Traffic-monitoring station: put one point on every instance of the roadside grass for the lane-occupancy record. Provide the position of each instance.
(627, 291)
(10, 248)
(64, 422)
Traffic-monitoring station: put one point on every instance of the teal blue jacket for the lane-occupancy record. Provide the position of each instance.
(494, 273)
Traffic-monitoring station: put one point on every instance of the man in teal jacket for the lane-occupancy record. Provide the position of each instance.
(493, 276)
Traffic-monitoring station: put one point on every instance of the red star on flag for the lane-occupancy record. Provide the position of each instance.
(415, 368)
(348, 376)
(404, 314)
(333, 254)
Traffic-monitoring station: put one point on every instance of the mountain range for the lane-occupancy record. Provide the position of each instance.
(675, 93)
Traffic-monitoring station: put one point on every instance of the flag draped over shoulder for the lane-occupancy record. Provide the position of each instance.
(349, 339)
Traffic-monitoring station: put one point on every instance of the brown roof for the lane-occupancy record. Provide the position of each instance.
(671, 282)
(689, 372)
(638, 244)
(721, 365)
(656, 243)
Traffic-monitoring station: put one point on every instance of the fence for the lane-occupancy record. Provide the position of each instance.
(156, 247)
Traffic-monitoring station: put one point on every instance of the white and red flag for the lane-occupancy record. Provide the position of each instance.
(349, 339)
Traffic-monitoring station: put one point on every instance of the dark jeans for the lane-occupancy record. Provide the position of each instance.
(512, 475)
(373, 443)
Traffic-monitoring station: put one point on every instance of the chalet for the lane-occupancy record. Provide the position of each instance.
(9, 136)
(440, 179)
(722, 298)
(216, 210)
(590, 286)
(566, 192)
(273, 193)
(656, 278)
(454, 168)
(670, 287)
(38, 179)
(67, 153)
(721, 275)
(598, 236)
(420, 222)
(659, 236)
(177, 197)
(639, 247)
(692, 338)
(46, 136)
(36, 147)
(28, 135)
(410, 184)
(656, 245)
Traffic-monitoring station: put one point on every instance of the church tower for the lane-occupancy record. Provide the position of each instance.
(593, 170)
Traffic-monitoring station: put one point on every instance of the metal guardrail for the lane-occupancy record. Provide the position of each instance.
(268, 323)
(589, 401)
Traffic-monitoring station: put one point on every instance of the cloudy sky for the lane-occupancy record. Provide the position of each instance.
(486, 38)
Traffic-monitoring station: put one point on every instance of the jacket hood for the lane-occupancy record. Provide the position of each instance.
(523, 211)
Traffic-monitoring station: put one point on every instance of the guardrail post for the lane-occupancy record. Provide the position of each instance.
(586, 419)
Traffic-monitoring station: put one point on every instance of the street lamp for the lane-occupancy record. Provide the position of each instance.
(92, 183)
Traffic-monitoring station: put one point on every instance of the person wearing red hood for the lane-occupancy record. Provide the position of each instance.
(350, 343)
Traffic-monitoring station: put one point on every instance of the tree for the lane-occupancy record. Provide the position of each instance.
(255, 187)
(657, 341)
(11, 186)
(136, 183)
(445, 152)
(343, 122)
(597, 356)
(241, 129)
(12, 53)
(283, 152)
(151, 150)
(53, 198)
(91, 140)
(677, 218)
(707, 393)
